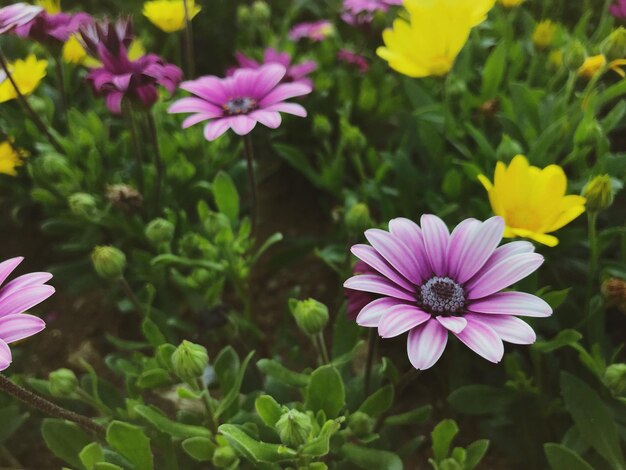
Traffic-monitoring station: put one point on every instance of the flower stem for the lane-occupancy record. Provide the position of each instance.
(30, 111)
(48, 407)
(158, 161)
(371, 349)
(325, 356)
(191, 66)
(593, 265)
(252, 183)
(134, 135)
(131, 296)
(61, 84)
(206, 400)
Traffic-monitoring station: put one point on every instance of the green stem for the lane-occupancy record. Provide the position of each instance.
(134, 136)
(206, 400)
(593, 266)
(191, 66)
(325, 356)
(131, 296)
(158, 161)
(61, 84)
(252, 182)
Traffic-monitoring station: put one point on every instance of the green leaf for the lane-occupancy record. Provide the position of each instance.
(253, 450)
(475, 453)
(153, 378)
(493, 72)
(378, 402)
(556, 297)
(442, 437)
(562, 458)
(564, 338)
(480, 399)
(65, 439)
(91, 455)
(326, 391)
(226, 368)
(199, 448)
(320, 445)
(233, 393)
(106, 466)
(226, 196)
(283, 375)
(416, 416)
(369, 459)
(132, 443)
(166, 425)
(269, 411)
(300, 162)
(152, 333)
(11, 420)
(591, 417)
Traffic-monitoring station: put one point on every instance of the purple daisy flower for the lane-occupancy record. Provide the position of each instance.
(295, 72)
(359, 12)
(16, 297)
(618, 9)
(316, 31)
(431, 283)
(53, 28)
(352, 58)
(357, 299)
(240, 101)
(16, 15)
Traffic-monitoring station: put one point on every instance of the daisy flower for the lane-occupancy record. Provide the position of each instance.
(295, 72)
(17, 14)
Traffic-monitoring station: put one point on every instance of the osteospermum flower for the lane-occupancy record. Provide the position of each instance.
(352, 58)
(358, 12)
(431, 283)
(240, 101)
(16, 297)
(10, 158)
(27, 74)
(53, 26)
(356, 300)
(618, 9)
(315, 31)
(436, 32)
(295, 72)
(169, 15)
(17, 14)
(531, 200)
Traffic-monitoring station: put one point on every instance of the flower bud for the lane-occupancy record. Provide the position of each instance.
(109, 262)
(224, 457)
(310, 315)
(598, 193)
(555, 59)
(160, 231)
(83, 205)
(244, 15)
(614, 292)
(357, 218)
(352, 136)
(125, 198)
(615, 378)
(361, 424)
(321, 126)
(62, 383)
(368, 96)
(260, 11)
(544, 33)
(614, 46)
(575, 55)
(592, 65)
(589, 132)
(508, 148)
(294, 428)
(189, 361)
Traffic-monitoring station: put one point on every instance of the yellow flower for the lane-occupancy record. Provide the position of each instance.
(543, 35)
(169, 15)
(510, 3)
(74, 52)
(555, 58)
(532, 200)
(436, 31)
(51, 6)
(27, 74)
(592, 65)
(10, 158)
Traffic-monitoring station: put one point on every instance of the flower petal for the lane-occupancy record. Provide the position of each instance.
(400, 319)
(436, 237)
(484, 240)
(397, 254)
(411, 235)
(8, 266)
(371, 314)
(242, 125)
(426, 344)
(289, 108)
(460, 239)
(372, 258)
(377, 285)
(453, 324)
(284, 92)
(215, 129)
(194, 105)
(483, 340)
(503, 274)
(25, 280)
(270, 119)
(23, 299)
(508, 327)
(5, 356)
(511, 303)
(19, 326)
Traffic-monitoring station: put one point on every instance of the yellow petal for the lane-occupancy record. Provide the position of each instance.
(548, 240)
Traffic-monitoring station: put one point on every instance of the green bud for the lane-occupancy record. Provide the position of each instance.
(361, 424)
(588, 132)
(224, 457)
(352, 136)
(598, 193)
(575, 55)
(244, 15)
(322, 127)
(189, 361)
(160, 231)
(109, 262)
(357, 218)
(63, 383)
(508, 148)
(614, 46)
(456, 86)
(310, 315)
(615, 378)
(83, 205)
(294, 428)
(261, 11)
(368, 96)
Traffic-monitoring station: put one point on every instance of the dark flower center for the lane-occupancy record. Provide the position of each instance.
(441, 295)
(239, 105)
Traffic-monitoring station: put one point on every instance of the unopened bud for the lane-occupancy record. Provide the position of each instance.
(357, 218)
(574, 55)
(544, 33)
(160, 231)
(62, 383)
(261, 11)
(294, 428)
(109, 262)
(321, 126)
(310, 315)
(189, 361)
(224, 457)
(615, 378)
(361, 424)
(614, 46)
(83, 205)
(598, 193)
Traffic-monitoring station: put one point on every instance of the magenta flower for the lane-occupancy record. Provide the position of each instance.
(618, 9)
(431, 282)
(16, 297)
(356, 299)
(359, 12)
(16, 15)
(55, 28)
(240, 101)
(295, 72)
(316, 31)
(352, 58)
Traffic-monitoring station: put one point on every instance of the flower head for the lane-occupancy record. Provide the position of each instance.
(531, 200)
(27, 75)
(357, 299)
(359, 12)
(10, 158)
(618, 9)
(543, 35)
(53, 26)
(240, 101)
(592, 65)
(295, 72)
(429, 42)
(169, 15)
(16, 297)
(352, 58)
(316, 31)
(16, 15)
(430, 283)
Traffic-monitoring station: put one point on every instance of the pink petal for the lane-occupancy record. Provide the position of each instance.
(483, 340)
(453, 324)
(377, 285)
(244, 81)
(284, 92)
(23, 299)
(242, 124)
(400, 319)
(508, 250)
(459, 239)
(215, 129)
(370, 256)
(8, 266)
(477, 250)
(397, 254)
(5, 356)
(19, 326)
(508, 327)
(426, 344)
(436, 238)
(196, 119)
(25, 280)
(370, 315)
(195, 105)
(289, 108)
(411, 235)
(208, 88)
(512, 303)
(114, 102)
(266, 79)
(503, 274)
(270, 119)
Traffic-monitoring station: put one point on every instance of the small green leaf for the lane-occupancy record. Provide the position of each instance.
(166, 425)
(416, 416)
(493, 72)
(320, 445)
(283, 375)
(226, 196)
(233, 393)
(379, 402)
(442, 437)
(369, 459)
(480, 399)
(199, 448)
(562, 458)
(269, 411)
(65, 439)
(152, 333)
(91, 455)
(226, 367)
(106, 466)
(475, 453)
(253, 450)
(132, 443)
(153, 378)
(326, 391)
(564, 338)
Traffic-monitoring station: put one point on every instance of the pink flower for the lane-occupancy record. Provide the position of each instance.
(352, 58)
(295, 72)
(357, 299)
(53, 28)
(240, 101)
(359, 12)
(17, 14)
(618, 9)
(432, 283)
(316, 31)
(16, 297)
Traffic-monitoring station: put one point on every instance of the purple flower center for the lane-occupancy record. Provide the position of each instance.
(441, 295)
(239, 105)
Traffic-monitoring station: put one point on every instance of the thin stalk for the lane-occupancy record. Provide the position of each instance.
(134, 135)
(325, 356)
(252, 183)
(191, 66)
(131, 296)
(61, 84)
(158, 161)
(372, 342)
(29, 110)
(593, 264)
(49, 408)
(206, 400)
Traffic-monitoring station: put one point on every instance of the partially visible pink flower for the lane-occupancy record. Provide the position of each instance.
(358, 12)
(316, 31)
(16, 15)
(240, 101)
(357, 299)
(352, 58)
(53, 28)
(106, 35)
(618, 9)
(295, 72)
(431, 283)
(16, 297)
